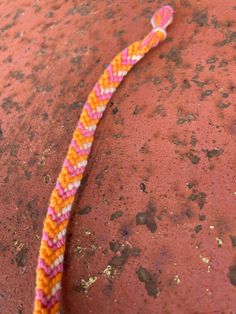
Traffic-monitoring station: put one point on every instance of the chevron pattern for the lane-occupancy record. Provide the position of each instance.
(52, 248)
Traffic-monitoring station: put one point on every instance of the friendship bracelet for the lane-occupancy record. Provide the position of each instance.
(52, 248)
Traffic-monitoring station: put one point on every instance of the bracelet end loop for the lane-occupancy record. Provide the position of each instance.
(162, 19)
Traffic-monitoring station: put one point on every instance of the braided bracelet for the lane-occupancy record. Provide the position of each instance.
(53, 241)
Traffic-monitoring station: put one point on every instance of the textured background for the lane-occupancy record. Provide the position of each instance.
(158, 199)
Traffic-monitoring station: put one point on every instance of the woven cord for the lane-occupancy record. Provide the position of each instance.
(52, 248)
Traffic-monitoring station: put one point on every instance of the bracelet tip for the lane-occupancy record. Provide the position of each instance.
(163, 17)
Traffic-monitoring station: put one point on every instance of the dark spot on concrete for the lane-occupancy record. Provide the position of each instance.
(202, 217)
(232, 88)
(115, 246)
(125, 230)
(232, 127)
(78, 287)
(199, 68)
(186, 84)
(232, 36)
(193, 197)
(193, 158)
(147, 218)
(14, 149)
(119, 33)
(174, 55)
(185, 3)
(37, 8)
(85, 210)
(110, 14)
(18, 13)
(49, 14)
(212, 68)
(151, 206)
(115, 110)
(221, 43)
(3, 247)
(213, 153)
(225, 95)
(185, 117)
(233, 240)
(193, 141)
(229, 23)
(21, 257)
(156, 80)
(223, 105)
(9, 104)
(135, 251)
(8, 59)
(116, 135)
(172, 80)
(200, 17)
(74, 106)
(7, 26)
(175, 140)
(147, 11)
(143, 187)
(141, 218)
(37, 68)
(232, 275)
(199, 197)
(160, 111)
(190, 185)
(163, 212)
(107, 290)
(186, 211)
(81, 83)
(207, 93)
(18, 75)
(20, 309)
(215, 22)
(150, 281)
(116, 215)
(137, 110)
(223, 63)
(211, 60)
(144, 149)
(73, 11)
(28, 174)
(229, 38)
(101, 175)
(120, 260)
(32, 209)
(43, 88)
(1, 133)
(201, 83)
(31, 135)
(156, 134)
(45, 116)
(198, 228)
(46, 178)
(222, 225)
(84, 10)
(76, 60)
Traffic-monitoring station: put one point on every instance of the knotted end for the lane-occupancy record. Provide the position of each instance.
(161, 19)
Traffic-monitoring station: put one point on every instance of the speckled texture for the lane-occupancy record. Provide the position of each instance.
(153, 229)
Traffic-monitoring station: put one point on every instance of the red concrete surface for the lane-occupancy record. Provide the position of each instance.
(158, 200)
